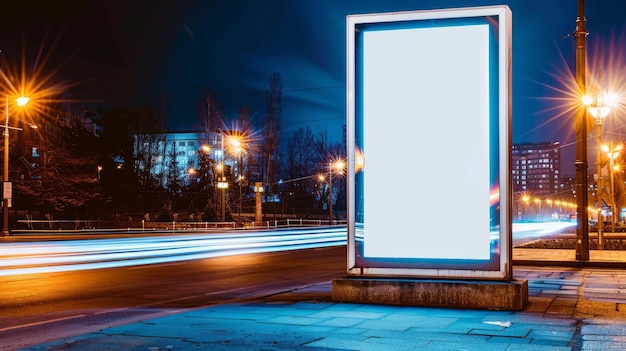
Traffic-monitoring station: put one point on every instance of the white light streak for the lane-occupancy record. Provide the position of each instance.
(71, 255)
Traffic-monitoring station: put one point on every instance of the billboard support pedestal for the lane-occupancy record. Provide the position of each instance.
(468, 294)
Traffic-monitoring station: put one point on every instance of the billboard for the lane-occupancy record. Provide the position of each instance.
(428, 122)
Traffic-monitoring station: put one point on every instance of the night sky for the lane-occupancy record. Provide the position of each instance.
(141, 52)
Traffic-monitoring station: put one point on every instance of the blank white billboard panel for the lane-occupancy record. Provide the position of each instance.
(439, 101)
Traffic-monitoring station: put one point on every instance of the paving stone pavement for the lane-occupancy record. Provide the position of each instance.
(569, 308)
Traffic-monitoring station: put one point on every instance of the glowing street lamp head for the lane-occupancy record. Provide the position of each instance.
(600, 107)
(22, 100)
(234, 141)
(337, 166)
(612, 153)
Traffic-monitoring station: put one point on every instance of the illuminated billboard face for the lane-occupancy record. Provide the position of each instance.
(429, 143)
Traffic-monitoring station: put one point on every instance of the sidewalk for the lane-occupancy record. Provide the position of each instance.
(559, 257)
(569, 308)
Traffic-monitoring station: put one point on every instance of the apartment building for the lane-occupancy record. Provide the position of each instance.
(536, 168)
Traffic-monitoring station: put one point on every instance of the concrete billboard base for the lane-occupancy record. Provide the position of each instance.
(472, 294)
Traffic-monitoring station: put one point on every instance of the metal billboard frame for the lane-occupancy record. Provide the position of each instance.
(498, 266)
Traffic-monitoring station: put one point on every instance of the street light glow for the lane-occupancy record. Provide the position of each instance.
(600, 107)
(22, 100)
(234, 141)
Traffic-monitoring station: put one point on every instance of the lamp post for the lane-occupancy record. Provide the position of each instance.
(258, 202)
(599, 109)
(6, 188)
(240, 178)
(551, 213)
(526, 200)
(330, 194)
(582, 223)
(235, 143)
(538, 203)
(222, 184)
(339, 166)
(612, 152)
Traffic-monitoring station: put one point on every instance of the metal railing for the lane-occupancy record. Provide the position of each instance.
(86, 226)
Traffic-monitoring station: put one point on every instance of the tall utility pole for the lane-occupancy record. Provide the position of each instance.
(582, 229)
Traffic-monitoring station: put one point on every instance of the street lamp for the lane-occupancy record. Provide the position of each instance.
(237, 148)
(258, 202)
(612, 152)
(332, 166)
(7, 186)
(599, 108)
(538, 203)
(551, 213)
(222, 184)
(526, 200)
(241, 179)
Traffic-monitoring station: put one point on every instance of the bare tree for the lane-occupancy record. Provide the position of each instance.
(207, 106)
(271, 127)
(301, 154)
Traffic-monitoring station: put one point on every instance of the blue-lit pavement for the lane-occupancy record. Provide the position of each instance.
(569, 309)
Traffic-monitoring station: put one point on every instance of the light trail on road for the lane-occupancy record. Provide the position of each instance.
(70, 255)
(524, 232)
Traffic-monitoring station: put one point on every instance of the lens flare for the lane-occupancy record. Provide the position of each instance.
(606, 81)
(31, 82)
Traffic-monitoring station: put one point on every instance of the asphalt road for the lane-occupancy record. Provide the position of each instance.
(37, 308)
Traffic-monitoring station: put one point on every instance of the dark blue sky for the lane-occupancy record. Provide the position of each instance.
(140, 52)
